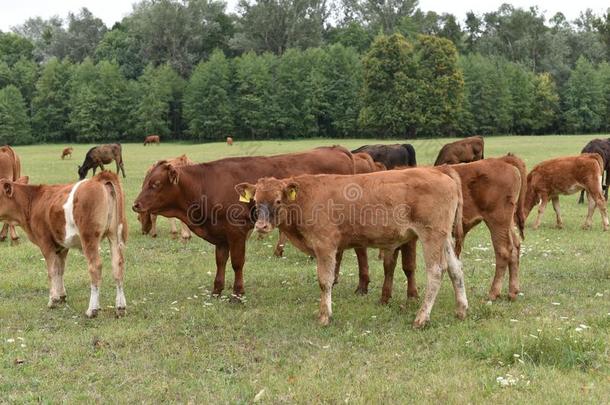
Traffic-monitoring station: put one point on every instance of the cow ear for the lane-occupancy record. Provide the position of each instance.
(8, 189)
(172, 173)
(290, 191)
(246, 191)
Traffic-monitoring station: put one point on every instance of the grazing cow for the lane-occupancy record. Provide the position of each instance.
(390, 155)
(602, 148)
(567, 175)
(324, 214)
(462, 151)
(493, 191)
(59, 217)
(148, 221)
(150, 139)
(98, 156)
(67, 152)
(229, 141)
(10, 169)
(203, 197)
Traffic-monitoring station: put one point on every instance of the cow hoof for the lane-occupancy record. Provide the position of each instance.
(2, 238)
(278, 253)
(512, 296)
(586, 227)
(91, 313)
(413, 295)
(53, 302)
(62, 299)
(153, 235)
(384, 299)
(419, 323)
(236, 299)
(461, 313)
(559, 226)
(362, 290)
(324, 320)
(493, 296)
(120, 312)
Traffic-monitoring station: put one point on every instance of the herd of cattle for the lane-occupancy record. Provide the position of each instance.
(323, 201)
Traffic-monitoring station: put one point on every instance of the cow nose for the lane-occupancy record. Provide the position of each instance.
(136, 207)
(263, 227)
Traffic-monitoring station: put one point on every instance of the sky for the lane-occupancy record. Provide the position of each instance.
(15, 12)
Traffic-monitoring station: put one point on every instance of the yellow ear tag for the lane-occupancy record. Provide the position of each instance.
(246, 196)
(292, 194)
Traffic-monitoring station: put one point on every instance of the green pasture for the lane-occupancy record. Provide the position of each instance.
(177, 344)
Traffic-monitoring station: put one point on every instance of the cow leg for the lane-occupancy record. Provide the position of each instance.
(153, 226)
(4, 231)
(589, 219)
(95, 168)
(55, 279)
(338, 259)
(122, 167)
(544, 201)
(118, 271)
(513, 267)
(185, 232)
(607, 184)
(408, 253)
(94, 263)
(172, 227)
(279, 247)
(454, 267)
(363, 271)
(222, 255)
(13, 233)
(326, 277)
(389, 264)
(601, 204)
(555, 201)
(503, 247)
(238, 258)
(433, 257)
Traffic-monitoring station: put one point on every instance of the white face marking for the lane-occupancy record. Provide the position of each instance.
(72, 236)
(94, 300)
(120, 297)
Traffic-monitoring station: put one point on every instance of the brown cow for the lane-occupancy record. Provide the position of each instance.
(152, 139)
(494, 192)
(59, 217)
(10, 169)
(229, 141)
(148, 221)
(462, 151)
(324, 214)
(67, 152)
(98, 156)
(203, 197)
(567, 175)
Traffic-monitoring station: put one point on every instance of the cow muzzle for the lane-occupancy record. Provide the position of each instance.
(263, 227)
(137, 207)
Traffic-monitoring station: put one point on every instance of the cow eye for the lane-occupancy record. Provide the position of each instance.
(278, 202)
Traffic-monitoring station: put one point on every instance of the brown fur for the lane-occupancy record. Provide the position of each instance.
(98, 156)
(229, 141)
(150, 139)
(203, 196)
(10, 168)
(98, 212)
(564, 176)
(382, 209)
(67, 152)
(462, 151)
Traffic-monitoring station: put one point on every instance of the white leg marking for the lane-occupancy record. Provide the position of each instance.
(94, 302)
(120, 298)
(120, 234)
(72, 236)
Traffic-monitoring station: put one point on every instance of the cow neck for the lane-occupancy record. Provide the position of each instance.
(25, 196)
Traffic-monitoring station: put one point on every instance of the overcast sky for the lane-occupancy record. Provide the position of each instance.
(15, 12)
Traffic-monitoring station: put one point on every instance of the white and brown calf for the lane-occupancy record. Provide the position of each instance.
(567, 175)
(59, 217)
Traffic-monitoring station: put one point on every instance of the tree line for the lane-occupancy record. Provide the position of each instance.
(302, 68)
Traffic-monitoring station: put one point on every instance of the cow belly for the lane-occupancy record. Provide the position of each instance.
(72, 234)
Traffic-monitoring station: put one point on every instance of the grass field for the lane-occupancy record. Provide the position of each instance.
(178, 344)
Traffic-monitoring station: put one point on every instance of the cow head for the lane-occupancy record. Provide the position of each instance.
(159, 189)
(9, 207)
(271, 197)
(82, 172)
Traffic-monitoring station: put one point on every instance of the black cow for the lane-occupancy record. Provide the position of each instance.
(390, 155)
(602, 148)
(98, 156)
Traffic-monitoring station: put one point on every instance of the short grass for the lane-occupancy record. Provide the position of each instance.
(177, 344)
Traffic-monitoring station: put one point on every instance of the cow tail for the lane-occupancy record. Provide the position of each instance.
(520, 215)
(112, 182)
(412, 161)
(458, 227)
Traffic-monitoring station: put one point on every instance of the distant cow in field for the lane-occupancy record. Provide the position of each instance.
(493, 191)
(150, 139)
(567, 175)
(10, 169)
(148, 221)
(229, 141)
(463, 151)
(382, 209)
(59, 217)
(390, 155)
(67, 152)
(98, 156)
(602, 148)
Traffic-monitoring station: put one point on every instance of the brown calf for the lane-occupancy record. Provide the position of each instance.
(229, 141)
(203, 197)
(148, 221)
(59, 217)
(462, 151)
(324, 214)
(567, 175)
(10, 169)
(152, 139)
(67, 152)
(494, 193)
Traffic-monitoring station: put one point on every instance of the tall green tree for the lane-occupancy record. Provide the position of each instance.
(584, 102)
(207, 103)
(14, 122)
(545, 111)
